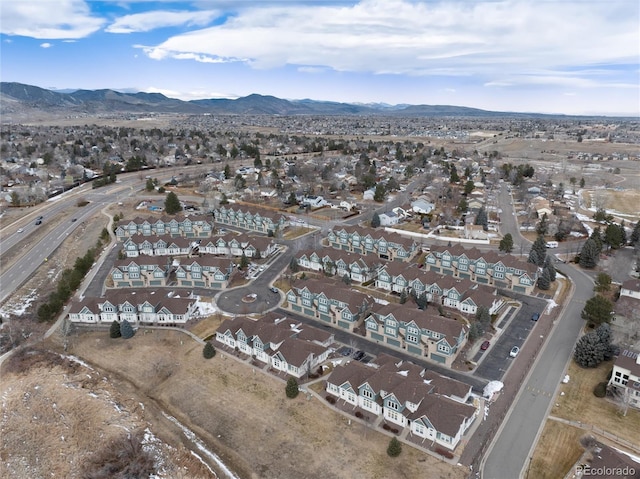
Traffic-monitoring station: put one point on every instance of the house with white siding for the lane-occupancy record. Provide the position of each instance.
(386, 245)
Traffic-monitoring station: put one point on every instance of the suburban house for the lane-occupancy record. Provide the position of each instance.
(357, 267)
(625, 377)
(631, 288)
(141, 307)
(329, 301)
(628, 304)
(461, 294)
(433, 407)
(195, 226)
(422, 206)
(262, 221)
(205, 272)
(389, 218)
(314, 201)
(140, 272)
(389, 246)
(280, 342)
(416, 331)
(502, 271)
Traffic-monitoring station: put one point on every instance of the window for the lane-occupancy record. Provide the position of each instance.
(393, 415)
(392, 405)
(412, 339)
(412, 330)
(368, 394)
(419, 428)
(443, 348)
(367, 404)
(390, 331)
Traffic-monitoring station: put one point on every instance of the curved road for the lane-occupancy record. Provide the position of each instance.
(513, 445)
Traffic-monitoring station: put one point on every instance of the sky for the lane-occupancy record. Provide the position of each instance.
(547, 56)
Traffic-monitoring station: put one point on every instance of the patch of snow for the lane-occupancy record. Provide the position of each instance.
(492, 388)
(200, 445)
(204, 463)
(76, 360)
(206, 308)
(20, 306)
(381, 301)
(551, 304)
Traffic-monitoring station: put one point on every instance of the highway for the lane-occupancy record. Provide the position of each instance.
(510, 453)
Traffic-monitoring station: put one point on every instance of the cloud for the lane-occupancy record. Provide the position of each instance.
(490, 40)
(190, 95)
(46, 45)
(144, 22)
(56, 20)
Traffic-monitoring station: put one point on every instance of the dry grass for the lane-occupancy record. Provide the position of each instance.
(60, 419)
(557, 451)
(245, 417)
(625, 201)
(579, 404)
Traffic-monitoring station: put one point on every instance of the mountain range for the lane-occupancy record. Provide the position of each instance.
(16, 97)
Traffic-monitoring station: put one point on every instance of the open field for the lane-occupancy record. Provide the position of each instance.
(244, 415)
(626, 202)
(557, 451)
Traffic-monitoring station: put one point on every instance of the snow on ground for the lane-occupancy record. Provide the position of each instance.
(552, 304)
(201, 446)
(492, 388)
(20, 305)
(206, 308)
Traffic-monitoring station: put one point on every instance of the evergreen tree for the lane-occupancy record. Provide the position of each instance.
(403, 296)
(380, 193)
(590, 254)
(597, 310)
(602, 283)
(395, 447)
(544, 281)
(375, 220)
(596, 236)
(635, 235)
(543, 225)
(614, 236)
(208, 351)
(589, 351)
(548, 265)
(453, 177)
(540, 247)
(149, 186)
(468, 187)
(172, 204)
(533, 257)
(582, 183)
(244, 261)
(482, 219)
(421, 301)
(483, 316)
(114, 330)
(475, 331)
(506, 243)
(291, 390)
(293, 265)
(126, 331)
(227, 172)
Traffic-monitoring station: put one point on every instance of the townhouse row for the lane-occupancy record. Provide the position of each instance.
(262, 221)
(226, 245)
(503, 271)
(386, 245)
(283, 344)
(436, 409)
(194, 226)
(358, 268)
(155, 271)
(403, 327)
(158, 307)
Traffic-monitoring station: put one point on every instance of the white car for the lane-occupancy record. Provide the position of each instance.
(20, 230)
(514, 351)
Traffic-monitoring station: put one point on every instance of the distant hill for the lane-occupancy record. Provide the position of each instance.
(17, 96)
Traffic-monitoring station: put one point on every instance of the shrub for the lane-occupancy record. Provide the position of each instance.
(386, 427)
(444, 453)
(394, 430)
(600, 390)
(208, 351)
(330, 399)
(292, 388)
(395, 448)
(359, 414)
(114, 330)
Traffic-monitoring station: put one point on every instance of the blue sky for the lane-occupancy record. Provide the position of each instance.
(548, 56)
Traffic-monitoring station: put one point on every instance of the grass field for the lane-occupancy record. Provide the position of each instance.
(558, 450)
(626, 201)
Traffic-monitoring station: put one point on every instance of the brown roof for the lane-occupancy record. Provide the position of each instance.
(629, 360)
(296, 351)
(446, 415)
(632, 284)
(334, 290)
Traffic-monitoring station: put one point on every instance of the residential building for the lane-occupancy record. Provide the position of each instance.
(204, 272)
(625, 377)
(389, 218)
(194, 226)
(237, 245)
(284, 344)
(140, 272)
(358, 268)
(329, 301)
(262, 221)
(387, 245)
(422, 206)
(415, 331)
(502, 271)
(433, 407)
(158, 307)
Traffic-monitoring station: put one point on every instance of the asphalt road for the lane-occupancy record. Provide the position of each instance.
(513, 445)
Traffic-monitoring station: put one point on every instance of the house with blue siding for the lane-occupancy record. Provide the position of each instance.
(192, 226)
(504, 271)
(415, 331)
(358, 268)
(386, 245)
(329, 301)
(259, 220)
(434, 408)
(140, 272)
(204, 272)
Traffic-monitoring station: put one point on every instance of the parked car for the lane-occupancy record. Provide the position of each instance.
(347, 352)
(359, 355)
(39, 222)
(535, 317)
(74, 220)
(514, 351)
(20, 230)
(485, 346)
(273, 289)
